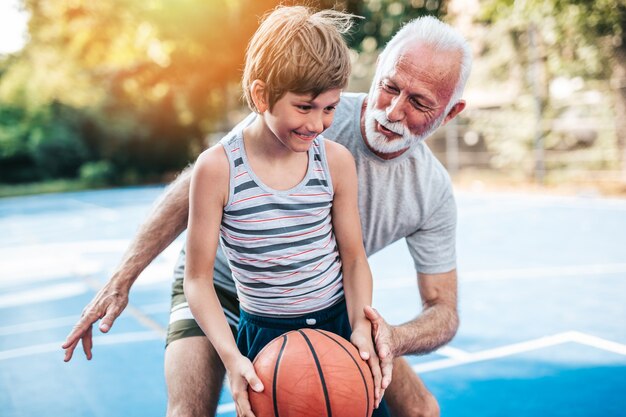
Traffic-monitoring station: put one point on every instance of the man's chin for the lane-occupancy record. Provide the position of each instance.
(381, 143)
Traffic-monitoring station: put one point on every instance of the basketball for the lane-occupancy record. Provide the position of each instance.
(310, 372)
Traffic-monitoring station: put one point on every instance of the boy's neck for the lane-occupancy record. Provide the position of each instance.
(273, 163)
(261, 143)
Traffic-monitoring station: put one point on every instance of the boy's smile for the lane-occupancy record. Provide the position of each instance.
(296, 119)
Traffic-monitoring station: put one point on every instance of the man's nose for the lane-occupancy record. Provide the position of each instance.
(394, 110)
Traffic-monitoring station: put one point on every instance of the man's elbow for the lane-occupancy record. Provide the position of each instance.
(452, 325)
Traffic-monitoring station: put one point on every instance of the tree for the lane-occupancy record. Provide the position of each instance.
(578, 37)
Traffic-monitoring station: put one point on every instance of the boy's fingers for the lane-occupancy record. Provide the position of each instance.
(255, 383)
(242, 404)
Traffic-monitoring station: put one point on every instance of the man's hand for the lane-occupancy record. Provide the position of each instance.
(241, 374)
(107, 305)
(362, 339)
(383, 336)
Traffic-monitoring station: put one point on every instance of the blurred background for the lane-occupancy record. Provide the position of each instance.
(125, 92)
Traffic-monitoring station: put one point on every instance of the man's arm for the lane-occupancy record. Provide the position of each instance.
(435, 326)
(438, 322)
(167, 220)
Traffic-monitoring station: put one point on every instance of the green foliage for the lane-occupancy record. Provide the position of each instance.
(97, 173)
(383, 18)
(575, 33)
(139, 84)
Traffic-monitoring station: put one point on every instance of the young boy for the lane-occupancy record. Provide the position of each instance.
(283, 202)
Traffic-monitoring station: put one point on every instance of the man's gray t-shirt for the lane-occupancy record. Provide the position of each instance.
(406, 197)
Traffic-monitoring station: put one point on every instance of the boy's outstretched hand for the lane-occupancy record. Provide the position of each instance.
(362, 338)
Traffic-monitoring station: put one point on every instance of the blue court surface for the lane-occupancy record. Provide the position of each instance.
(542, 290)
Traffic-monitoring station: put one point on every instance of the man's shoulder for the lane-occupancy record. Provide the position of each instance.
(429, 171)
(350, 102)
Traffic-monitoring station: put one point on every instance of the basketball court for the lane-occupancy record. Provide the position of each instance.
(542, 284)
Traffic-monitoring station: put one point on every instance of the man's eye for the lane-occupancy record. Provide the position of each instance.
(418, 105)
(389, 88)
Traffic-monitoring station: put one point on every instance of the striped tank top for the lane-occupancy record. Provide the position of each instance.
(280, 244)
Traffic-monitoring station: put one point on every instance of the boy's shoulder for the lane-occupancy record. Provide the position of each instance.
(213, 162)
(336, 153)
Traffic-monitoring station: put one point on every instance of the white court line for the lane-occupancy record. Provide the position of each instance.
(99, 340)
(452, 352)
(68, 321)
(523, 347)
(569, 271)
(226, 408)
(105, 212)
(544, 272)
(597, 342)
(62, 260)
(459, 357)
(542, 200)
(51, 292)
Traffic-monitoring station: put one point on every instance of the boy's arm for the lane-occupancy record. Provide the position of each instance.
(208, 195)
(357, 277)
(167, 220)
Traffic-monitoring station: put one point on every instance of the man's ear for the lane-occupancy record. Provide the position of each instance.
(259, 95)
(454, 111)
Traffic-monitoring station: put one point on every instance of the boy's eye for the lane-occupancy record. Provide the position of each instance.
(303, 107)
(330, 109)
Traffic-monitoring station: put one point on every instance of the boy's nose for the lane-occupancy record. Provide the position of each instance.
(315, 124)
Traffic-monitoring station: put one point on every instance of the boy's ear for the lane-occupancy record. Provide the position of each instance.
(259, 95)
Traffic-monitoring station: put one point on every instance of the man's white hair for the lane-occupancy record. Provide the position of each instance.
(442, 37)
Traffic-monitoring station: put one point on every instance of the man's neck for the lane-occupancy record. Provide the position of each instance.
(382, 155)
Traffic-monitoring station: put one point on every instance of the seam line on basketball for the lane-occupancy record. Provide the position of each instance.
(367, 392)
(319, 369)
(274, 383)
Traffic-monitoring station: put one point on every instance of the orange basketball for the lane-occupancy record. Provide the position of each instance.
(314, 373)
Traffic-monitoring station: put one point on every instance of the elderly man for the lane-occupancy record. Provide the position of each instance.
(403, 193)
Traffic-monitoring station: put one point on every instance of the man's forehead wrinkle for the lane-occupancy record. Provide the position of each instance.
(423, 64)
(415, 78)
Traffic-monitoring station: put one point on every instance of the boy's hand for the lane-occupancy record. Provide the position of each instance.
(241, 374)
(383, 337)
(362, 339)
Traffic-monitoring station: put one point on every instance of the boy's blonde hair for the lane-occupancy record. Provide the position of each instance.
(296, 49)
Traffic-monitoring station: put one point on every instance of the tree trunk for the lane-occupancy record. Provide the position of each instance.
(618, 84)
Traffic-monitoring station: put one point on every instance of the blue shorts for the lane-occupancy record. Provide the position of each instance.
(257, 331)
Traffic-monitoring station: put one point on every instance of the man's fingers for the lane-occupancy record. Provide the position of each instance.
(386, 369)
(374, 365)
(77, 332)
(107, 321)
(371, 314)
(69, 351)
(88, 343)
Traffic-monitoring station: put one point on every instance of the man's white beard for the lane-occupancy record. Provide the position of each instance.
(381, 143)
